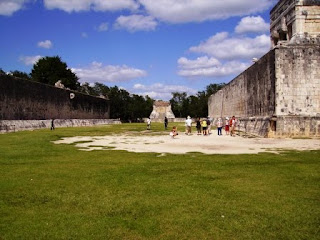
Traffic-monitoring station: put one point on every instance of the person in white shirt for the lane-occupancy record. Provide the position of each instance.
(188, 125)
(148, 124)
(219, 126)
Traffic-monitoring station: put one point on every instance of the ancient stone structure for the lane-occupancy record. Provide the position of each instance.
(21, 125)
(290, 20)
(27, 100)
(161, 110)
(279, 95)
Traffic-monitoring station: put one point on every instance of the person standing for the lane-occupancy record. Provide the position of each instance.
(148, 124)
(233, 123)
(52, 124)
(165, 123)
(208, 125)
(188, 125)
(227, 126)
(219, 126)
(198, 126)
(204, 127)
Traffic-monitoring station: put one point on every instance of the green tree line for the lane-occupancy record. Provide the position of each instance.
(126, 106)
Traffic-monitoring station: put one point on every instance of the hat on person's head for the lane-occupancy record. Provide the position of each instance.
(188, 117)
(227, 118)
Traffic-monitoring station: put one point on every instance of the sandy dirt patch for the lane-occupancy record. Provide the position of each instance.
(212, 144)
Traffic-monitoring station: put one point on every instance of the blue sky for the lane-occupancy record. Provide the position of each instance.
(148, 47)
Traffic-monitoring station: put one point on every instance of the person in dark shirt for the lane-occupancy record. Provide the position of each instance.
(165, 123)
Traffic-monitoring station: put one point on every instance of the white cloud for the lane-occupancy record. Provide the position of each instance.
(30, 60)
(103, 27)
(135, 23)
(87, 5)
(113, 5)
(8, 7)
(253, 25)
(45, 44)
(161, 91)
(173, 11)
(97, 72)
(179, 11)
(200, 62)
(209, 67)
(84, 35)
(222, 46)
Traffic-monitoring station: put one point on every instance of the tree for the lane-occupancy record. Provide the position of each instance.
(140, 107)
(119, 100)
(49, 70)
(22, 75)
(178, 103)
(87, 89)
(213, 88)
(195, 106)
(101, 89)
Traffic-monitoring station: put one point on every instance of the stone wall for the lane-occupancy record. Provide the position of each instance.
(277, 96)
(298, 80)
(298, 126)
(252, 93)
(21, 125)
(280, 94)
(27, 100)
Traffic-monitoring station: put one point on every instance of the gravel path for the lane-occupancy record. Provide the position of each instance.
(212, 144)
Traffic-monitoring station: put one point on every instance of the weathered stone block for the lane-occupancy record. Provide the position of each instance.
(27, 100)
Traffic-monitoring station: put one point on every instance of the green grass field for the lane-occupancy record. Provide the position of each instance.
(50, 191)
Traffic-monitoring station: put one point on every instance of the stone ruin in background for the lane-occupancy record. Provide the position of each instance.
(161, 109)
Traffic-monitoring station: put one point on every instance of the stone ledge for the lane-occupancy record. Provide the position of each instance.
(21, 125)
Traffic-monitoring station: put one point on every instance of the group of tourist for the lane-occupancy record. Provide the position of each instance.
(204, 126)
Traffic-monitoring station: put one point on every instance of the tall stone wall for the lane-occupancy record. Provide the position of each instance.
(277, 96)
(252, 93)
(298, 80)
(280, 94)
(26, 100)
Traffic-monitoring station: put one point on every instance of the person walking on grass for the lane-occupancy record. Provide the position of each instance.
(165, 123)
(52, 124)
(148, 124)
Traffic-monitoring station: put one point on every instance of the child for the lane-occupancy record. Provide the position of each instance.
(174, 132)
